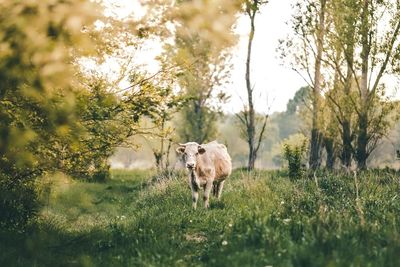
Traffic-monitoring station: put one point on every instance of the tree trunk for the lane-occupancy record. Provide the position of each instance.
(251, 121)
(362, 139)
(346, 142)
(347, 147)
(316, 134)
(330, 153)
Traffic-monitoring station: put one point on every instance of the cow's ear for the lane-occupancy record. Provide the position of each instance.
(201, 150)
(180, 150)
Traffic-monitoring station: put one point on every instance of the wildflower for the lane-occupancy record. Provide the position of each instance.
(286, 220)
(230, 225)
(282, 202)
(224, 243)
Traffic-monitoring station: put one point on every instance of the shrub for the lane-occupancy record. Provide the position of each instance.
(294, 154)
(18, 202)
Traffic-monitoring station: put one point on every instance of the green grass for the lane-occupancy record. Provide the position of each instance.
(263, 219)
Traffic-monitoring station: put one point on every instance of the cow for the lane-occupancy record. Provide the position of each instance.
(208, 165)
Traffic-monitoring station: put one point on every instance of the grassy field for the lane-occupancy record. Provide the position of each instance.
(263, 219)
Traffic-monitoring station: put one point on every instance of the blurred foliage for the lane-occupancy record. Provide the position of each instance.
(37, 92)
(200, 48)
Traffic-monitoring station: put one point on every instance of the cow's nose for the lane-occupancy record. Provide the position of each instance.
(190, 165)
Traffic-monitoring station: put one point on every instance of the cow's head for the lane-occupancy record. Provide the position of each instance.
(190, 151)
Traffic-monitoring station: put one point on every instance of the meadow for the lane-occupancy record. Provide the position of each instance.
(137, 218)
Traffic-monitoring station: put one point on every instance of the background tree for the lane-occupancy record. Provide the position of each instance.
(203, 71)
(197, 40)
(305, 53)
(316, 132)
(377, 50)
(248, 116)
(162, 135)
(360, 26)
(341, 96)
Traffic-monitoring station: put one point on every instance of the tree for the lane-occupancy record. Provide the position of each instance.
(200, 36)
(248, 117)
(359, 48)
(364, 29)
(345, 28)
(305, 52)
(316, 134)
(163, 132)
(203, 71)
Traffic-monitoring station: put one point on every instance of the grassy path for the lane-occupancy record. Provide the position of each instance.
(263, 219)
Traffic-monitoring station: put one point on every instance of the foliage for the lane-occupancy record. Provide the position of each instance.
(109, 121)
(264, 218)
(294, 153)
(57, 115)
(38, 40)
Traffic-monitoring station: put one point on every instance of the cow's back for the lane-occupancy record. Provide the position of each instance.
(220, 158)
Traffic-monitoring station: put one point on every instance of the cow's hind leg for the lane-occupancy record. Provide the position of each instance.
(215, 189)
(220, 187)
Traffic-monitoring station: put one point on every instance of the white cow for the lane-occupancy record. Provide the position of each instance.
(209, 165)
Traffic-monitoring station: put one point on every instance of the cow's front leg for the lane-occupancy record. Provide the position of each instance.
(207, 192)
(195, 194)
(195, 187)
(195, 197)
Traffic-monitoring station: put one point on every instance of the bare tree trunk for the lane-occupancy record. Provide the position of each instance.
(247, 116)
(316, 134)
(362, 139)
(251, 120)
(161, 163)
(167, 154)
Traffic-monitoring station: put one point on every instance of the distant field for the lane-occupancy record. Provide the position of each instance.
(263, 219)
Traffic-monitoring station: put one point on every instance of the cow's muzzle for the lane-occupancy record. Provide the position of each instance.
(190, 165)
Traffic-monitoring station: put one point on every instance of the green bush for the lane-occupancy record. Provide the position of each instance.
(294, 154)
(18, 202)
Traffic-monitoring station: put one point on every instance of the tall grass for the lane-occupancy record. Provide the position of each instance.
(263, 219)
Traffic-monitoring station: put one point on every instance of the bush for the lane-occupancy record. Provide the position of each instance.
(18, 202)
(294, 154)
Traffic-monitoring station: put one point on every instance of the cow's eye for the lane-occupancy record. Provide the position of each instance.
(197, 153)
